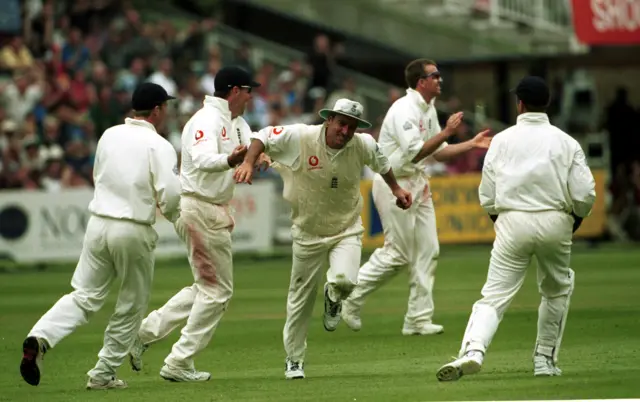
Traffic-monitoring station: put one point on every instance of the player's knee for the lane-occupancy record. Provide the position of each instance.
(393, 256)
(344, 285)
(88, 302)
(558, 286)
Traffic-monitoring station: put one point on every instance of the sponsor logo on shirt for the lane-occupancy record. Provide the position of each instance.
(199, 137)
(277, 130)
(314, 162)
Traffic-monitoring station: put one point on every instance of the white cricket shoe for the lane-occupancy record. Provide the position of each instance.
(351, 316)
(113, 383)
(33, 350)
(180, 375)
(293, 370)
(543, 366)
(332, 311)
(423, 329)
(470, 363)
(135, 354)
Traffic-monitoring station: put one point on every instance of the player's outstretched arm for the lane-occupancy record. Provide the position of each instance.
(279, 143)
(482, 140)
(434, 143)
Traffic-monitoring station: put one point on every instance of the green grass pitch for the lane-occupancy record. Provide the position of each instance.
(600, 353)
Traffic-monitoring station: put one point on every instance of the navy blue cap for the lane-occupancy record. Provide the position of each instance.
(233, 76)
(533, 91)
(148, 95)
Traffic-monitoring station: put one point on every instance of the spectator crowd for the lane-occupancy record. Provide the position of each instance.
(68, 74)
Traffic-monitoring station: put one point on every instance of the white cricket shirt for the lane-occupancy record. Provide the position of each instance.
(534, 166)
(282, 144)
(135, 169)
(409, 122)
(321, 184)
(208, 138)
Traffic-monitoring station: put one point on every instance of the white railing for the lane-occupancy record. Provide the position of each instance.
(542, 15)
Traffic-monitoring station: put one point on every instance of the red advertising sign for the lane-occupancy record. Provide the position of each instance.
(607, 22)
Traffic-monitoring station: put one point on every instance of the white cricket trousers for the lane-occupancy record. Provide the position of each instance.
(311, 253)
(410, 242)
(206, 229)
(112, 249)
(519, 237)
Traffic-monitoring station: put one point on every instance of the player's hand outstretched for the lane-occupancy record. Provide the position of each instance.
(483, 139)
(454, 121)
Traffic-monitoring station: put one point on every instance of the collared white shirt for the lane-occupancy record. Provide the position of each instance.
(534, 166)
(208, 139)
(135, 170)
(283, 146)
(409, 122)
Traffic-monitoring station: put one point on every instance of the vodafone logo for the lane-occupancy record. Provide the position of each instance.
(224, 132)
(199, 135)
(313, 161)
(277, 130)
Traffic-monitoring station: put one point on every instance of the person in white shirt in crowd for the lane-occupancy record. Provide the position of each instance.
(321, 167)
(135, 171)
(537, 188)
(212, 145)
(410, 137)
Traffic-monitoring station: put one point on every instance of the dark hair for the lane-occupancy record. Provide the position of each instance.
(534, 109)
(224, 94)
(415, 70)
(142, 113)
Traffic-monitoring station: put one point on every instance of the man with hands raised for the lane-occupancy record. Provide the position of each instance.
(410, 133)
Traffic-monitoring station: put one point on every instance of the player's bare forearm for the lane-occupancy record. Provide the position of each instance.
(255, 149)
(391, 181)
(453, 151)
(431, 145)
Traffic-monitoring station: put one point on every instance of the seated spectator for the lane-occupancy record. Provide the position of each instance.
(15, 55)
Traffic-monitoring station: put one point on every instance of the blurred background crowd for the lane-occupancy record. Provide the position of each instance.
(68, 73)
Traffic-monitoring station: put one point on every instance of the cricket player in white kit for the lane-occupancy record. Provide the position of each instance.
(135, 170)
(410, 134)
(321, 167)
(537, 188)
(214, 141)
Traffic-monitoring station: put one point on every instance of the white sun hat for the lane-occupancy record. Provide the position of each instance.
(349, 108)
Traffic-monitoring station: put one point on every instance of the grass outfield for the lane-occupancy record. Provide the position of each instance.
(599, 355)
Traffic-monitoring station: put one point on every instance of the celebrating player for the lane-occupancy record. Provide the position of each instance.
(135, 170)
(410, 133)
(537, 188)
(214, 141)
(321, 167)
